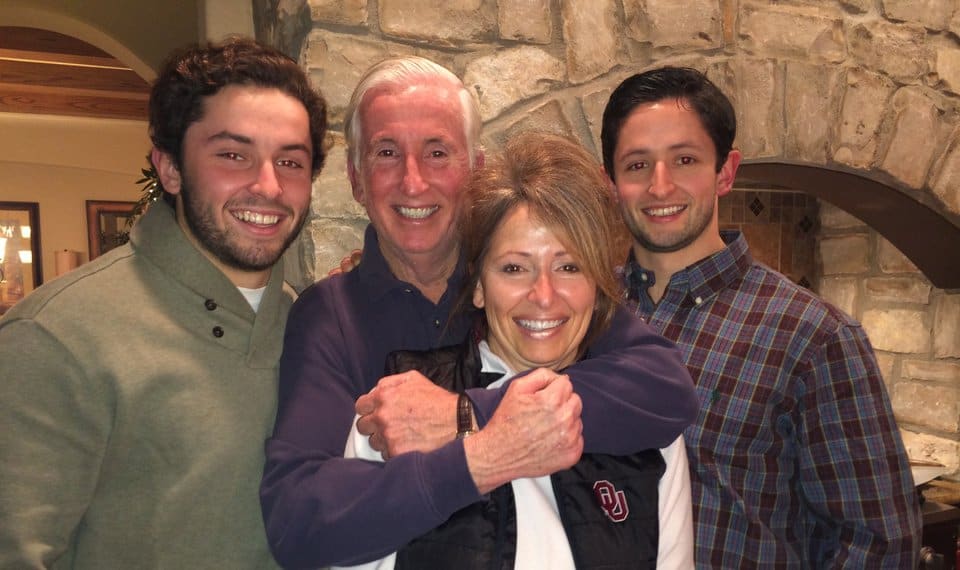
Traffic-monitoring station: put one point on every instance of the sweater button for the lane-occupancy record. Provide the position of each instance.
(218, 331)
(210, 304)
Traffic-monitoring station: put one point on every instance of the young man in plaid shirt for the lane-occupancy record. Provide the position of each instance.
(796, 460)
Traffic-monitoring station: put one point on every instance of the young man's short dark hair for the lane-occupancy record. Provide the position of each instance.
(682, 84)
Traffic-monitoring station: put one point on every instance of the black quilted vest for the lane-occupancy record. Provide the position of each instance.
(607, 504)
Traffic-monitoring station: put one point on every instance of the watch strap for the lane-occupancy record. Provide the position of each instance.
(464, 416)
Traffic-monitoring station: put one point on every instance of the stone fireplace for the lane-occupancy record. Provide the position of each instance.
(847, 88)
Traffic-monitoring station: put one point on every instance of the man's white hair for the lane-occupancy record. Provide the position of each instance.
(406, 71)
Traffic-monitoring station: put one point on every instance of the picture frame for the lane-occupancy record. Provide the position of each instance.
(107, 225)
(21, 264)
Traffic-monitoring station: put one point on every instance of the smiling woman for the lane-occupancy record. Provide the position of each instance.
(538, 301)
(550, 188)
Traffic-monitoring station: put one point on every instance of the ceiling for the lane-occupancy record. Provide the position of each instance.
(46, 72)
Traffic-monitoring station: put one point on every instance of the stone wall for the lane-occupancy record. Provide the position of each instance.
(868, 84)
(914, 328)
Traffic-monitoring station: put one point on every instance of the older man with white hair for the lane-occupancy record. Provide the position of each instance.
(413, 135)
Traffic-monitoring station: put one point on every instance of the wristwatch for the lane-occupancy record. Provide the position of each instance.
(464, 417)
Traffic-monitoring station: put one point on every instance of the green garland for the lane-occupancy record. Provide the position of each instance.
(151, 192)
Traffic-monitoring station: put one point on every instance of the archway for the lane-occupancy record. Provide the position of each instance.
(907, 219)
(31, 17)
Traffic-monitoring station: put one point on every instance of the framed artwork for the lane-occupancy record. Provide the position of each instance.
(107, 225)
(21, 268)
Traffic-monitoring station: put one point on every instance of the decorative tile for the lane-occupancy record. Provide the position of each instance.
(780, 227)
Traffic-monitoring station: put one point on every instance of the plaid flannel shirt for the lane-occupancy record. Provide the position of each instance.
(796, 460)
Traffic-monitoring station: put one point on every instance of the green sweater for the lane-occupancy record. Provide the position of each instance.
(136, 393)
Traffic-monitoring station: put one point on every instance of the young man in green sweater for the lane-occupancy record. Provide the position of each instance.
(136, 392)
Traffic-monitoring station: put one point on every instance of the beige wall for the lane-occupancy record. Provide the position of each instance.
(62, 162)
(137, 33)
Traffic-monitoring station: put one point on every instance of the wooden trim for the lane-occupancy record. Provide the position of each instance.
(65, 59)
(47, 75)
(55, 103)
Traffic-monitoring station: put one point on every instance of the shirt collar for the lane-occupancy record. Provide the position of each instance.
(373, 272)
(490, 362)
(160, 239)
(378, 280)
(701, 280)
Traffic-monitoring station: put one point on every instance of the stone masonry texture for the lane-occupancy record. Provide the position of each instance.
(871, 86)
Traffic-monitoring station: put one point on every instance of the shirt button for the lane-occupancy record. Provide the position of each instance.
(436, 323)
(407, 291)
(218, 331)
(210, 304)
(643, 277)
(698, 300)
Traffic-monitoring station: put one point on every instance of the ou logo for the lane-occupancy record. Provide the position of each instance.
(612, 501)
